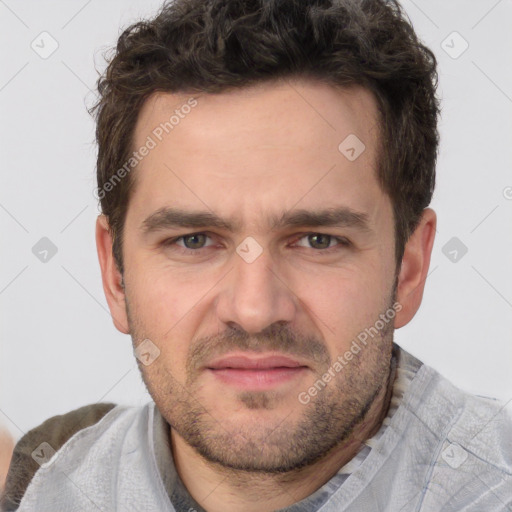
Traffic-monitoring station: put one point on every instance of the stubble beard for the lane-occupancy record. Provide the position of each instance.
(287, 444)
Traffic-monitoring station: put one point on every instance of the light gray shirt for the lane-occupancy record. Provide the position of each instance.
(438, 450)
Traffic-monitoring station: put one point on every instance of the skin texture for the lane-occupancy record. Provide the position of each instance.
(6, 449)
(250, 156)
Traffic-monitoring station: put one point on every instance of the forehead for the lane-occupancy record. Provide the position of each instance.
(306, 110)
(258, 149)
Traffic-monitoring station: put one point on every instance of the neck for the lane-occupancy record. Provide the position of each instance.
(218, 489)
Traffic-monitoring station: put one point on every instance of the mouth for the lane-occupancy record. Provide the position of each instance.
(256, 373)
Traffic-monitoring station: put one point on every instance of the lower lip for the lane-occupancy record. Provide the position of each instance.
(258, 379)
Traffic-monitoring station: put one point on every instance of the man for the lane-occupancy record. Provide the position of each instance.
(264, 172)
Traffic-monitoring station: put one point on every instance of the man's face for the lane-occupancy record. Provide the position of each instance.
(252, 303)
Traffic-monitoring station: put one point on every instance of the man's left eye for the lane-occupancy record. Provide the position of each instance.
(322, 241)
(193, 241)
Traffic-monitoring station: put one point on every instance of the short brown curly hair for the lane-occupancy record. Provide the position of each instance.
(217, 45)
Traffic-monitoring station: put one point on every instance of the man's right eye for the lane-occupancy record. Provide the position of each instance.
(189, 243)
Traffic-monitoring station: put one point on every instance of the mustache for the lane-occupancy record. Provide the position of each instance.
(276, 337)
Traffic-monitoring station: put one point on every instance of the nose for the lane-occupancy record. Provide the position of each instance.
(254, 295)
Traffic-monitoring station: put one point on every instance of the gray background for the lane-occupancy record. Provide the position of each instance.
(59, 349)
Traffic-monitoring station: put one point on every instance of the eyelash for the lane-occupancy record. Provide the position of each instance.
(342, 242)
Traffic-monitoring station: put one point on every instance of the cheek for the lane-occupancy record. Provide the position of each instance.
(168, 307)
(164, 296)
(343, 303)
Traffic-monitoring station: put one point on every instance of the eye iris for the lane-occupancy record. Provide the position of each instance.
(194, 241)
(319, 241)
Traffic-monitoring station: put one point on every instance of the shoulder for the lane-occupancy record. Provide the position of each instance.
(464, 442)
(484, 428)
(480, 425)
(473, 461)
(50, 436)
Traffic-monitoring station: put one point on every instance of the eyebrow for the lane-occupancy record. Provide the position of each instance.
(168, 218)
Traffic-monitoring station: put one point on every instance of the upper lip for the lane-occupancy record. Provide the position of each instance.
(254, 363)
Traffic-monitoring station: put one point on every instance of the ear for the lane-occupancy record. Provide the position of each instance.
(110, 275)
(414, 268)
